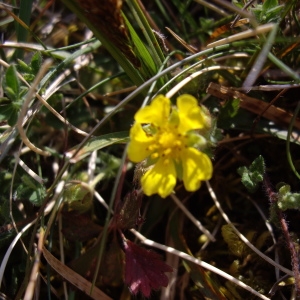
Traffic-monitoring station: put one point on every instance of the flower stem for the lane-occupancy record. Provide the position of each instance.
(273, 198)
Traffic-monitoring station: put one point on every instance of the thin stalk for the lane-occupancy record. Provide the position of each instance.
(273, 198)
(283, 67)
(151, 89)
(288, 141)
(198, 262)
(192, 67)
(95, 87)
(108, 218)
(70, 47)
(241, 236)
(186, 80)
(261, 58)
(243, 35)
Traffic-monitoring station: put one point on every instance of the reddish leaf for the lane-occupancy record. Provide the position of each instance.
(79, 227)
(144, 269)
(128, 216)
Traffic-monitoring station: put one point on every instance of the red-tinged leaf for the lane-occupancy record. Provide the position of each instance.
(144, 269)
(79, 227)
(127, 215)
(111, 268)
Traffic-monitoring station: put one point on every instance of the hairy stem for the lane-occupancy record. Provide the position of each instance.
(273, 198)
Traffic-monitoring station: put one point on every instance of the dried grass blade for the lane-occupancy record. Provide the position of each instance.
(74, 278)
(253, 105)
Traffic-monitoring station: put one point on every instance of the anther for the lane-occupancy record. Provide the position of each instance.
(167, 151)
(154, 155)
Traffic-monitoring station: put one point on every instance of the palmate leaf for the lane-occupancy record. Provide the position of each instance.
(144, 269)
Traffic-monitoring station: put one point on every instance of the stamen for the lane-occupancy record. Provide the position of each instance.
(178, 143)
(166, 161)
(154, 155)
(152, 147)
(167, 152)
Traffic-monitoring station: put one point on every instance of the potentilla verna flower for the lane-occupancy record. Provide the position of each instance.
(169, 138)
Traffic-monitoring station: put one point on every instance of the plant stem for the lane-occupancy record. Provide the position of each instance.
(273, 198)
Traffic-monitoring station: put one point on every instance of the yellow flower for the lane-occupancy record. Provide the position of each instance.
(167, 136)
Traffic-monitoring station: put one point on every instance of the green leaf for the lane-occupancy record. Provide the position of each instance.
(23, 92)
(9, 113)
(288, 200)
(4, 100)
(36, 62)
(12, 120)
(10, 93)
(29, 77)
(79, 197)
(238, 4)
(12, 83)
(149, 68)
(252, 176)
(23, 66)
(258, 166)
(98, 143)
(269, 4)
(37, 196)
(228, 112)
(22, 28)
(31, 190)
(269, 11)
(29, 71)
(5, 112)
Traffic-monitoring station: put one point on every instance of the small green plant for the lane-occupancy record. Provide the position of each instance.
(288, 199)
(268, 11)
(15, 92)
(252, 176)
(279, 202)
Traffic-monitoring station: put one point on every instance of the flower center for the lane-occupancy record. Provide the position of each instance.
(168, 143)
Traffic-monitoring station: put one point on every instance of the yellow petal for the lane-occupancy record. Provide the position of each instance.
(190, 113)
(156, 113)
(139, 143)
(196, 166)
(161, 179)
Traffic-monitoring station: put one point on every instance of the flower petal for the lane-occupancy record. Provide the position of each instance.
(157, 113)
(190, 113)
(161, 179)
(139, 143)
(197, 166)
